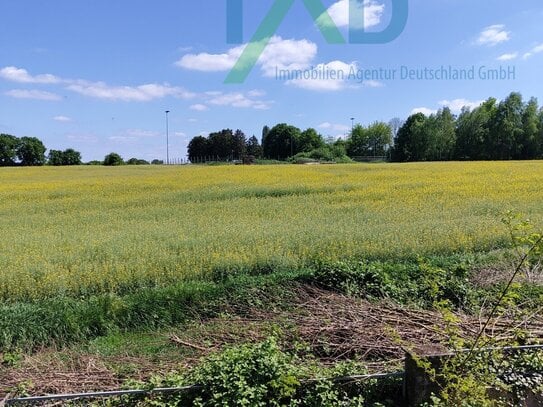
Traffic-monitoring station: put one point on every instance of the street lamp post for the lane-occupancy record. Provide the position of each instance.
(352, 125)
(167, 139)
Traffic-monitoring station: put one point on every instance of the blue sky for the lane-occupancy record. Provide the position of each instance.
(98, 75)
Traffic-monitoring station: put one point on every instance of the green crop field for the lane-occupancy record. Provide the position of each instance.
(83, 231)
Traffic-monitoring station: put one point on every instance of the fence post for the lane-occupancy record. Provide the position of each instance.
(418, 385)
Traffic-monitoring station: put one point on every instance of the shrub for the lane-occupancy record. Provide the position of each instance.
(251, 375)
(113, 159)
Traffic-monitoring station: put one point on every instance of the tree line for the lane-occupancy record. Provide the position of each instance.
(30, 151)
(510, 129)
(506, 130)
(284, 141)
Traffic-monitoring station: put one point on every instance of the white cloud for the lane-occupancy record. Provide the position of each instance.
(508, 57)
(334, 127)
(535, 50)
(279, 53)
(339, 13)
(14, 74)
(130, 135)
(211, 62)
(142, 93)
(493, 35)
(199, 107)
(63, 119)
(256, 93)
(139, 133)
(122, 139)
(456, 105)
(424, 110)
(237, 99)
(33, 94)
(324, 77)
(373, 84)
(82, 138)
(99, 90)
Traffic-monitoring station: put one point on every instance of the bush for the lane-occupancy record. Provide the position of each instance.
(113, 159)
(251, 375)
(420, 283)
(137, 161)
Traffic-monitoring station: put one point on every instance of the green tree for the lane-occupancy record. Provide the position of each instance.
(31, 151)
(379, 138)
(410, 143)
(358, 143)
(540, 133)
(239, 145)
(198, 148)
(528, 140)
(281, 141)
(72, 157)
(440, 136)
(113, 159)
(265, 132)
(309, 140)
(473, 132)
(8, 149)
(254, 148)
(507, 129)
(55, 157)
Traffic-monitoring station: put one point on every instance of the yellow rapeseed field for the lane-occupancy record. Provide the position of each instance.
(84, 230)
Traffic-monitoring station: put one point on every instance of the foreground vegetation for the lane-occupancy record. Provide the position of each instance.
(103, 253)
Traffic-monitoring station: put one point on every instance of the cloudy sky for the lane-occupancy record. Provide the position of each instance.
(98, 75)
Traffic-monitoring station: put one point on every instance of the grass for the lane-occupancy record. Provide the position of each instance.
(81, 232)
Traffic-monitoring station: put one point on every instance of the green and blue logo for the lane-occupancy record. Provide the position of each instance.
(319, 14)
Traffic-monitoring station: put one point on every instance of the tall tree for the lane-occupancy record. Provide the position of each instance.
(410, 143)
(254, 148)
(440, 135)
(221, 145)
(71, 157)
(281, 141)
(198, 148)
(8, 149)
(265, 132)
(309, 140)
(358, 143)
(55, 158)
(528, 140)
(473, 132)
(379, 138)
(540, 138)
(31, 151)
(507, 129)
(113, 159)
(239, 145)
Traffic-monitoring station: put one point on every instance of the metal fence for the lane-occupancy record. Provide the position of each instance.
(119, 393)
